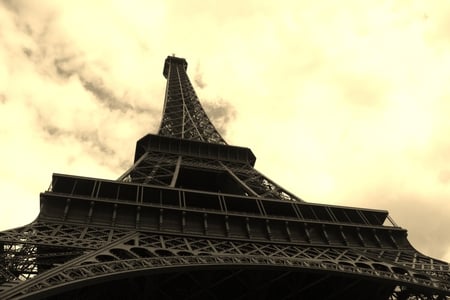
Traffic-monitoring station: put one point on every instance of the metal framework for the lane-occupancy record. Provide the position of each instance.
(192, 219)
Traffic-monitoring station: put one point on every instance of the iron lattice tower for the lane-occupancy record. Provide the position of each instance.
(193, 219)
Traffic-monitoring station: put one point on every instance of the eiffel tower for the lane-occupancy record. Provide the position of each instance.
(192, 219)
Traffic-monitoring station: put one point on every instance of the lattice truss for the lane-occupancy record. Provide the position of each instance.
(159, 168)
(32, 249)
(183, 115)
(72, 255)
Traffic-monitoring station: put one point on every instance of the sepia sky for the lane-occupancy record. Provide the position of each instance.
(343, 102)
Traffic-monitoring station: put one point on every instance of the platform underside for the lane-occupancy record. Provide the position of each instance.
(233, 283)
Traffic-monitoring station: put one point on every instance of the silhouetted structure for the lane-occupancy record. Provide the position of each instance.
(192, 219)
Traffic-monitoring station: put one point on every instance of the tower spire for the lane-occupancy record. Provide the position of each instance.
(183, 115)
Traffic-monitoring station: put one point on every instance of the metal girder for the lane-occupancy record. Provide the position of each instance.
(60, 235)
(137, 253)
(158, 168)
(183, 115)
(88, 274)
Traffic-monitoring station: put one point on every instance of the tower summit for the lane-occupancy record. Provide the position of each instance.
(183, 115)
(193, 219)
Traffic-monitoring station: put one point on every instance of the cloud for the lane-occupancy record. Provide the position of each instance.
(221, 114)
(70, 128)
(67, 66)
(424, 213)
(89, 137)
(198, 78)
(100, 92)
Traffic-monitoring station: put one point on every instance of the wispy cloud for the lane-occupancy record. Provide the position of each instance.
(221, 114)
(198, 78)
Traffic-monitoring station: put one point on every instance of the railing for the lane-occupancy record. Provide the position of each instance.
(227, 203)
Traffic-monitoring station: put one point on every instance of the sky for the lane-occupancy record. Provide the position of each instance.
(343, 102)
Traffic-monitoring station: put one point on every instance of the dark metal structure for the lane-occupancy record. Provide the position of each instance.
(192, 219)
